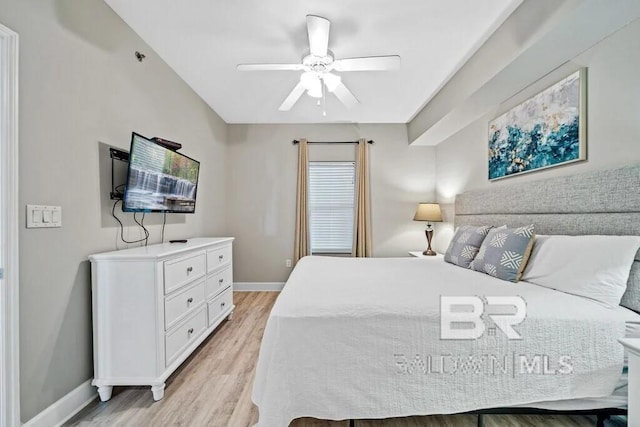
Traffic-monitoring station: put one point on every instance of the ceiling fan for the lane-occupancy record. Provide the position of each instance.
(318, 64)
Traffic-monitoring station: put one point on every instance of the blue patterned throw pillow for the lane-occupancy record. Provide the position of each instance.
(505, 252)
(465, 244)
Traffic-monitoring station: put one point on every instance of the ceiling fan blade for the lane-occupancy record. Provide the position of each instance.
(345, 96)
(293, 97)
(369, 63)
(318, 30)
(270, 67)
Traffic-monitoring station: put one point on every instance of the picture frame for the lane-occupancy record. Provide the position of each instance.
(547, 130)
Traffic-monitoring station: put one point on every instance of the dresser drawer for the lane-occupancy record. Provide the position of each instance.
(218, 257)
(219, 305)
(178, 339)
(181, 271)
(216, 282)
(177, 306)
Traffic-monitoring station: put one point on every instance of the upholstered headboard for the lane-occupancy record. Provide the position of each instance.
(606, 202)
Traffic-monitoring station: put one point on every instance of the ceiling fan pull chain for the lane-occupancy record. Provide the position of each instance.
(321, 91)
(324, 100)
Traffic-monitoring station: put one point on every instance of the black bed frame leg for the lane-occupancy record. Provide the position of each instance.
(601, 419)
(352, 423)
(480, 421)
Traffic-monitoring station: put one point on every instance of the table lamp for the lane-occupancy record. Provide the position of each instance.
(429, 212)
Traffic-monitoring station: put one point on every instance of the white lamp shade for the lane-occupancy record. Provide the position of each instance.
(315, 91)
(312, 83)
(308, 79)
(332, 81)
(428, 212)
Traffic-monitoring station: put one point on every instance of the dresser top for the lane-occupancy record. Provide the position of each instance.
(160, 250)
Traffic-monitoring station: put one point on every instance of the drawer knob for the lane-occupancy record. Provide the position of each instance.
(190, 300)
(220, 281)
(189, 270)
(220, 257)
(222, 305)
(190, 331)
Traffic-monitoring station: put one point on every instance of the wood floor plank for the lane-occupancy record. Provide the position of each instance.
(213, 388)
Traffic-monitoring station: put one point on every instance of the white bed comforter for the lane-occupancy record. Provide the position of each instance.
(360, 338)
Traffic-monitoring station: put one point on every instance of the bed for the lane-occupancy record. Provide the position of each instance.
(359, 338)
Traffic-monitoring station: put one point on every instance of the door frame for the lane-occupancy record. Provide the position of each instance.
(9, 343)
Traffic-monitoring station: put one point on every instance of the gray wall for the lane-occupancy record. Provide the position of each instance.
(262, 190)
(613, 123)
(80, 84)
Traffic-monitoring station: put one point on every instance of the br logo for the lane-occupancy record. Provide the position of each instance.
(461, 317)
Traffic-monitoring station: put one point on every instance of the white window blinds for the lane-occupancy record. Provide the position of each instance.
(331, 206)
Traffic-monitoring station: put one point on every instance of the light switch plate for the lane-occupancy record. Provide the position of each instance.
(39, 216)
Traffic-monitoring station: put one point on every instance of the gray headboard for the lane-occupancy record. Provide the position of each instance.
(606, 202)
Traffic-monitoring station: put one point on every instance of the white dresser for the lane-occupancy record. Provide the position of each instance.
(153, 305)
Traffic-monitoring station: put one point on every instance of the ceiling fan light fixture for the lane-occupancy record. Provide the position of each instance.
(332, 81)
(316, 90)
(311, 82)
(308, 79)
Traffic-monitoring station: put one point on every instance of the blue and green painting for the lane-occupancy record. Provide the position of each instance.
(541, 132)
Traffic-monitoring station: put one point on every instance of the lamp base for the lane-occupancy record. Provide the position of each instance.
(429, 233)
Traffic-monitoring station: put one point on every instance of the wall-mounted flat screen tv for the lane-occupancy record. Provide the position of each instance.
(159, 180)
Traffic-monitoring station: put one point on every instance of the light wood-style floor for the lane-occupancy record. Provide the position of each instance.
(213, 387)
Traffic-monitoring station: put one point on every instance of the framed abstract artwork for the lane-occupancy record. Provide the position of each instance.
(547, 130)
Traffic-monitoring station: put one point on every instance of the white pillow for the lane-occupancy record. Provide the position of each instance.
(595, 267)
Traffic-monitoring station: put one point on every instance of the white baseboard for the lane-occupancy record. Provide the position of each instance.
(258, 286)
(62, 410)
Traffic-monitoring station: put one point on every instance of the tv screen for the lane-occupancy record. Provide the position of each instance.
(159, 180)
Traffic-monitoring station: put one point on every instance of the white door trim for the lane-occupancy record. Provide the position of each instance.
(9, 344)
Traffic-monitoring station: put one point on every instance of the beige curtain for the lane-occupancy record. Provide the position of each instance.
(362, 238)
(302, 244)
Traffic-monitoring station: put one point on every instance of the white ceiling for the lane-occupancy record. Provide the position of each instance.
(203, 40)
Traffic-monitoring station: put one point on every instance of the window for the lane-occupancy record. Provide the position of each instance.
(331, 206)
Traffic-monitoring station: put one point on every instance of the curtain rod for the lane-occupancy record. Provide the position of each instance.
(295, 141)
